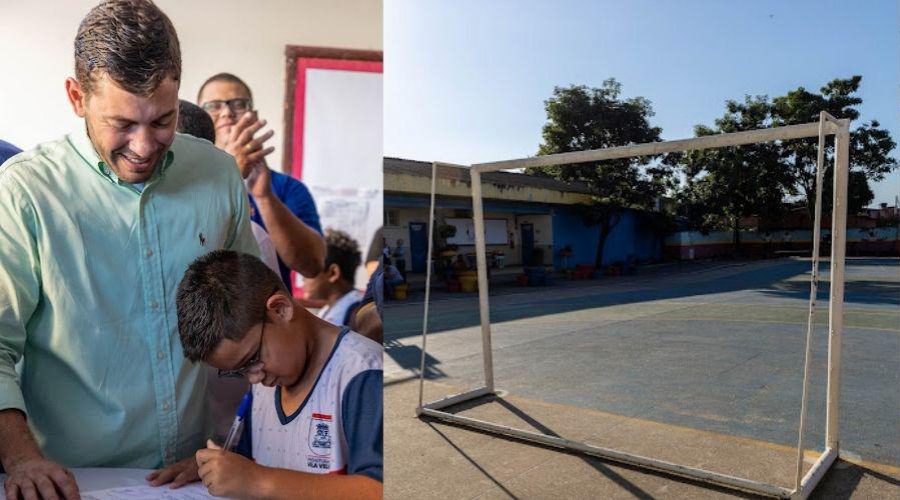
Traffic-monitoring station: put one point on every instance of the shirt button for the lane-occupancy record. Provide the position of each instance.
(149, 252)
(160, 355)
(154, 304)
(166, 406)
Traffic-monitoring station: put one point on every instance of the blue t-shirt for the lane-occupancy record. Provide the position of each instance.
(297, 198)
(7, 151)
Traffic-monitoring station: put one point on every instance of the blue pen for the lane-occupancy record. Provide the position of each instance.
(234, 434)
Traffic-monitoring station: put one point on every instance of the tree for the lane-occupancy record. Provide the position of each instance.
(581, 118)
(870, 145)
(726, 184)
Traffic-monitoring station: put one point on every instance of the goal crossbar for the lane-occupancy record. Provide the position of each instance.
(827, 125)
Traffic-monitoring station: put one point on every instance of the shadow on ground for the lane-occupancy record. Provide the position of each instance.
(841, 482)
(600, 465)
(403, 321)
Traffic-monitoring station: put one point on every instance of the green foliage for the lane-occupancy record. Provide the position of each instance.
(581, 118)
(724, 185)
(870, 145)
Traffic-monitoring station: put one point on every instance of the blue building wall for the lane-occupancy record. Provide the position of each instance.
(629, 238)
(568, 229)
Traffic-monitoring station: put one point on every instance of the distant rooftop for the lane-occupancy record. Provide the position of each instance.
(423, 169)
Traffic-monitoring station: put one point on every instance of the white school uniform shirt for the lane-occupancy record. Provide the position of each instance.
(337, 429)
(337, 313)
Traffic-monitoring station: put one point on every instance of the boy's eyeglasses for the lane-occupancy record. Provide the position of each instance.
(237, 105)
(240, 372)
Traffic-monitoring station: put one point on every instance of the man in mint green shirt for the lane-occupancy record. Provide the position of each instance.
(96, 231)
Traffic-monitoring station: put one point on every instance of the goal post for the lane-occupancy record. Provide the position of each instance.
(827, 125)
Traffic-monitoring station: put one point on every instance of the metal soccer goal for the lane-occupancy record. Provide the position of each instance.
(804, 484)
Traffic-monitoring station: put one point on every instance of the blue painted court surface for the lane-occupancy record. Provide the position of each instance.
(716, 347)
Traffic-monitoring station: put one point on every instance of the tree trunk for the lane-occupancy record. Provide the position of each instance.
(736, 237)
(606, 226)
(598, 262)
(808, 185)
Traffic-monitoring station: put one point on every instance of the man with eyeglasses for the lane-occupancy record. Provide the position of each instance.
(278, 202)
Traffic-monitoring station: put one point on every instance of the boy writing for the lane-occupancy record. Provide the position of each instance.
(315, 425)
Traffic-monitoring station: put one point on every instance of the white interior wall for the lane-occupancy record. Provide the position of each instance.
(244, 38)
(407, 215)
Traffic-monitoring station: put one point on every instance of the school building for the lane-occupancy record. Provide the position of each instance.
(528, 220)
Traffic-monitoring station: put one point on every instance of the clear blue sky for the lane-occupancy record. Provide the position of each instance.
(465, 81)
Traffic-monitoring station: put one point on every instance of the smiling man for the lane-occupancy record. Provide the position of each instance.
(96, 231)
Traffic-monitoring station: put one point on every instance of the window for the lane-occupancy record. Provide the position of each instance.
(391, 218)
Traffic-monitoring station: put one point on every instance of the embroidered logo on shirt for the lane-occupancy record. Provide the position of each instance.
(320, 434)
(202, 240)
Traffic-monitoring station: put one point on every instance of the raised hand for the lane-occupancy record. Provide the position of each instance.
(240, 143)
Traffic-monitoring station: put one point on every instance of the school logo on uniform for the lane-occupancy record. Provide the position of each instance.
(319, 442)
(320, 434)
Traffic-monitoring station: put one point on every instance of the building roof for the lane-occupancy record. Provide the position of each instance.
(423, 169)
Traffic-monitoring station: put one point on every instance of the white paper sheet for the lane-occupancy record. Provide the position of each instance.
(195, 491)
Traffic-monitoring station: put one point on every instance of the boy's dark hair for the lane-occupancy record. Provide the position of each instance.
(132, 41)
(194, 121)
(222, 295)
(342, 250)
(224, 77)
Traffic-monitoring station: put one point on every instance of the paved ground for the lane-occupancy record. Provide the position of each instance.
(427, 459)
(716, 349)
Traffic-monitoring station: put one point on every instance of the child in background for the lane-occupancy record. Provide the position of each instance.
(335, 284)
(400, 258)
(392, 277)
(315, 425)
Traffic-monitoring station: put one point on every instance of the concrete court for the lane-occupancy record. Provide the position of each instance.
(716, 350)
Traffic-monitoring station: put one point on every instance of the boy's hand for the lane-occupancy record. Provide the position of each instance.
(179, 474)
(227, 474)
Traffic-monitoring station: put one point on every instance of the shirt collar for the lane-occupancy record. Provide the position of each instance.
(85, 148)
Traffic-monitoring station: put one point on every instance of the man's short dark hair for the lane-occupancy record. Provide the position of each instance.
(194, 121)
(224, 77)
(131, 41)
(222, 295)
(342, 250)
